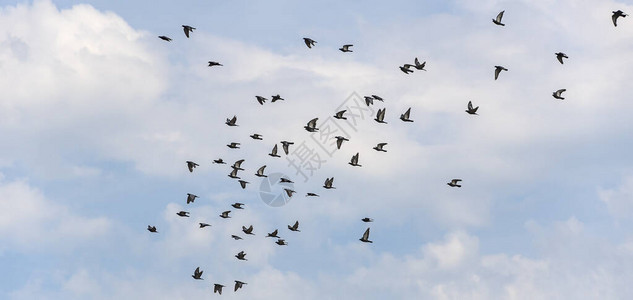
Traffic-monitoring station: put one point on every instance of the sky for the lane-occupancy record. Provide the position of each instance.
(98, 117)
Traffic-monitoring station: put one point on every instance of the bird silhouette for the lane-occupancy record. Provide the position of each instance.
(498, 70)
(241, 255)
(289, 192)
(281, 242)
(203, 225)
(164, 38)
(405, 116)
(311, 126)
(191, 165)
(214, 63)
(276, 98)
(273, 153)
(309, 42)
(191, 198)
(285, 145)
(560, 56)
(238, 205)
(248, 230)
(183, 213)
(380, 116)
(261, 99)
(217, 288)
(365, 237)
(354, 161)
(455, 183)
(225, 214)
(406, 68)
(497, 20)
(152, 229)
(345, 48)
(558, 94)
(231, 122)
(418, 65)
(238, 285)
(616, 15)
(286, 180)
(234, 145)
(233, 174)
(235, 237)
(273, 234)
(311, 195)
(260, 172)
(256, 136)
(219, 161)
(187, 29)
(197, 274)
(294, 227)
(339, 141)
(471, 110)
(369, 100)
(243, 183)
(379, 147)
(366, 220)
(328, 183)
(339, 115)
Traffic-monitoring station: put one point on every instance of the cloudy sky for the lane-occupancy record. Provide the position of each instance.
(98, 116)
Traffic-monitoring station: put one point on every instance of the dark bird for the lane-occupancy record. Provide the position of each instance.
(225, 214)
(217, 288)
(191, 198)
(339, 141)
(379, 147)
(311, 195)
(238, 205)
(471, 110)
(369, 100)
(238, 285)
(234, 145)
(219, 161)
(231, 122)
(498, 70)
(405, 116)
(285, 180)
(197, 274)
(273, 153)
(406, 68)
(281, 242)
(164, 38)
(309, 42)
(261, 99)
(238, 165)
(345, 48)
(214, 63)
(187, 29)
(328, 183)
(378, 98)
(339, 115)
(276, 98)
(311, 126)
(248, 230)
(365, 237)
(366, 220)
(558, 94)
(294, 227)
(243, 183)
(152, 229)
(273, 234)
(560, 56)
(191, 165)
(183, 213)
(289, 192)
(285, 145)
(260, 172)
(498, 19)
(380, 116)
(418, 65)
(354, 161)
(616, 15)
(455, 183)
(234, 174)
(256, 136)
(203, 225)
(241, 256)
(235, 237)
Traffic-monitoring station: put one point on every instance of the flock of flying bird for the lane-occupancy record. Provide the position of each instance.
(311, 126)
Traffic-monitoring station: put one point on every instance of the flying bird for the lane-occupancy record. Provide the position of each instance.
(261, 99)
(231, 122)
(379, 147)
(309, 42)
(354, 161)
(164, 38)
(273, 234)
(152, 228)
(235, 237)
(380, 116)
(234, 174)
(214, 63)
(243, 183)
(238, 285)
(366, 220)
(311, 195)
(294, 227)
(187, 29)
(285, 145)
(311, 126)
(339, 115)
(558, 94)
(203, 225)
(345, 48)
(498, 19)
(328, 183)
(471, 110)
(219, 161)
(405, 116)
(248, 230)
(378, 98)
(276, 98)
(238, 205)
(256, 136)
(498, 70)
(289, 192)
(339, 141)
(234, 145)
(197, 274)
(273, 153)
(405, 68)
(560, 56)
(225, 214)
(616, 15)
(455, 183)
(241, 256)
(418, 65)
(369, 100)
(365, 237)
(183, 213)
(191, 165)
(281, 242)
(260, 172)
(217, 288)
(282, 180)
(191, 198)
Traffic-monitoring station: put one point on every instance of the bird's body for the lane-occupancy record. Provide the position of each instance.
(225, 214)
(560, 56)
(418, 65)
(285, 145)
(365, 237)
(309, 42)
(455, 183)
(235, 237)
(406, 68)
(260, 172)
(289, 192)
(191, 198)
(497, 20)
(616, 15)
(203, 225)
(281, 242)
(152, 229)
(311, 126)
(405, 116)
(238, 205)
(558, 94)
(273, 234)
(164, 38)
(345, 48)
(241, 256)
(273, 153)
(261, 99)
(233, 174)
(197, 274)
(294, 227)
(256, 136)
(231, 122)
(380, 116)
(369, 100)
(339, 141)
(339, 115)
(243, 183)
(234, 145)
(366, 220)
(276, 98)
(498, 70)
(328, 183)
(219, 161)
(238, 285)
(248, 230)
(187, 29)
(214, 63)
(354, 161)
(285, 180)
(379, 147)
(191, 165)
(217, 288)
(311, 195)
(470, 109)
(183, 213)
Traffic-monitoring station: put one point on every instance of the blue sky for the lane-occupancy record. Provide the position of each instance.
(98, 117)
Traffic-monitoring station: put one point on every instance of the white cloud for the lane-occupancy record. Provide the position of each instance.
(619, 200)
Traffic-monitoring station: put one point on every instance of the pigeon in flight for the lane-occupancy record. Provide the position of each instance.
(309, 42)
(214, 63)
(339, 141)
(289, 192)
(237, 205)
(217, 288)
(260, 172)
(261, 99)
(405, 116)
(238, 165)
(560, 56)
(281, 242)
(455, 183)
(366, 220)
(365, 237)
(282, 180)
(238, 285)
(273, 234)
(498, 70)
(225, 214)
(241, 256)
(471, 110)
(369, 100)
(248, 230)
(234, 174)
(380, 116)
(231, 122)
(328, 183)
(197, 274)
(498, 19)
(191, 198)
(243, 183)
(345, 48)
(311, 126)
(164, 38)
(558, 94)
(339, 115)
(294, 227)
(616, 15)
(273, 153)
(191, 165)
(418, 65)
(312, 195)
(183, 213)
(187, 29)
(379, 147)
(235, 237)
(152, 228)
(234, 145)
(276, 98)
(203, 225)
(219, 161)
(405, 68)
(256, 136)
(354, 161)
(378, 98)
(285, 145)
